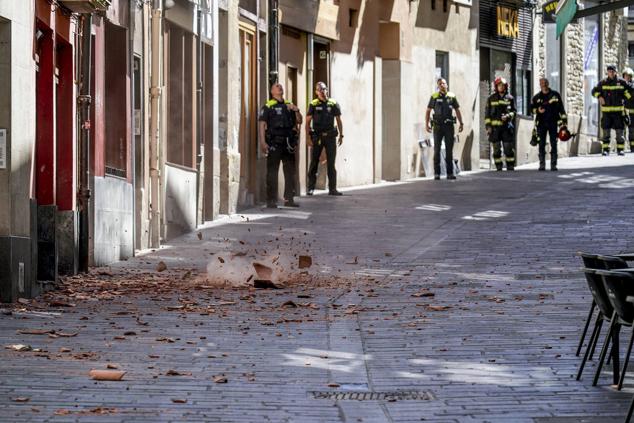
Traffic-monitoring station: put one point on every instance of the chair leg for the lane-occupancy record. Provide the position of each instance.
(604, 349)
(585, 328)
(595, 334)
(626, 360)
(630, 412)
(616, 368)
(596, 338)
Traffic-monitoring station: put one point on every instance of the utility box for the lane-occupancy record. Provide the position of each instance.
(87, 6)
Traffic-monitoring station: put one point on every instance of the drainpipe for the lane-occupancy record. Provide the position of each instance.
(84, 101)
(155, 104)
(199, 108)
(273, 41)
(131, 30)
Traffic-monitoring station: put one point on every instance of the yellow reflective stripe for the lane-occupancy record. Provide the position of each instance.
(487, 120)
(620, 145)
(627, 95)
(553, 100)
(597, 94)
(606, 145)
(498, 160)
(510, 159)
(612, 108)
(497, 123)
(613, 87)
(500, 103)
(630, 110)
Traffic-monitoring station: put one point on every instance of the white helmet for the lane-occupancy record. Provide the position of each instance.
(628, 71)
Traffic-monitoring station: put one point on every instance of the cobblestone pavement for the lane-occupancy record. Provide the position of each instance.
(453, 302)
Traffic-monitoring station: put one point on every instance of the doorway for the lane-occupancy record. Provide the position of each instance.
(248, 112)
(321, 63)
(321, 73)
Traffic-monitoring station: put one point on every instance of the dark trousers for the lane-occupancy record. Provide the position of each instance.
(503, 136)
(330, 144)
(630, 133)
(609, 121)
(443, 132)
(543, 130)
(280, 153)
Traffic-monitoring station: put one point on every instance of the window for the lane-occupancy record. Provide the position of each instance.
(115, 75)
(553, 58)
(590, 74)
(353, 18)
(442, 66)
(181, 114)
(522, 91)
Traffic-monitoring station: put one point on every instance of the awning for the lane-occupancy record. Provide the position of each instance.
(568, 11)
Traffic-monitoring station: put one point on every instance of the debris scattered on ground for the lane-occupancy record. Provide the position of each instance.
(220, 379)
(264, 284)
(177, 373)
(305, 262)
(19, 347)
(107, 375)
(161, 266)
(263, 271)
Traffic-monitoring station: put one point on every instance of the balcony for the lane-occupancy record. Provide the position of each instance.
(86, 6)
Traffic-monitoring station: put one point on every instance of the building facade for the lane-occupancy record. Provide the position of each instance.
(576, 62)
(127, 123)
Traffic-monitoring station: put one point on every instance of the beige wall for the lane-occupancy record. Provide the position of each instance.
(15, 181)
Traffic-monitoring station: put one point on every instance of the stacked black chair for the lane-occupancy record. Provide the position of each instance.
(619, 285)
(600, 300)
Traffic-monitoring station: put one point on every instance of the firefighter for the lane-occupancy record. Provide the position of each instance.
(280, 123)
(321, 134)
(548, 108)
(443, 103)
(612, 93)
(628, 74)
(498, 119)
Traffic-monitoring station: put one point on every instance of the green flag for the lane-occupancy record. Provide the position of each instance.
(566, 10)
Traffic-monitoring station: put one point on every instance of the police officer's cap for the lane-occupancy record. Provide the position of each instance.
(612, 68)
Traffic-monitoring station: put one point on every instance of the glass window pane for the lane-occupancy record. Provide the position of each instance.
(553, 57)
(590, 74)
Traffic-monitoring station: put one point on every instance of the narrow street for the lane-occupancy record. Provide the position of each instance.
(435, 301)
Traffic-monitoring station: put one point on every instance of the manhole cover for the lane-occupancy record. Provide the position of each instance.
(537, 276)
(560, 222)
(373, 396)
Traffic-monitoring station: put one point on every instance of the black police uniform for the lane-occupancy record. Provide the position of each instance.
(443, 106)
(502, 132)
(324, 135)
(548, 123)
(281, 137)
(614, 91)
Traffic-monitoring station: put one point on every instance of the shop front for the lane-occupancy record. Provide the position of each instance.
(505, 39)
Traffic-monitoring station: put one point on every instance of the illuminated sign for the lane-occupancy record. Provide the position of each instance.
(548, 11)
(508, 22)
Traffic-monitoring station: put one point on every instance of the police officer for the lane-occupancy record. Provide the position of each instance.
(280, 123)
(628, 74)
(321, 133)
(548, 108)
(499, 113)
(612, 93)
(443, 103)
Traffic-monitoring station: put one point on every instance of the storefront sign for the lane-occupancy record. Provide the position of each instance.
(3, 148)
(508, 22)
(548, 11)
